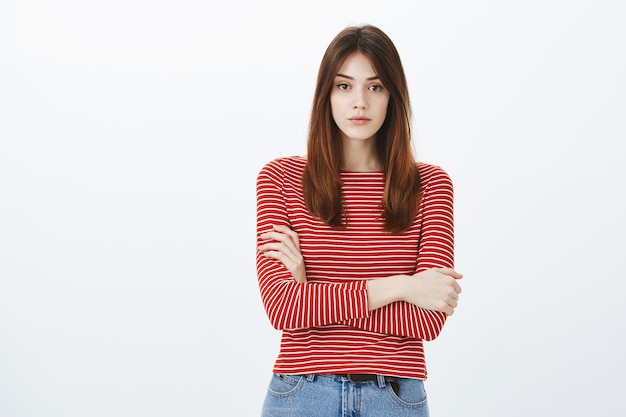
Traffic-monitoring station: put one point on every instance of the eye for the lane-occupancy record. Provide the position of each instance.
(343, 86)
(376, 87)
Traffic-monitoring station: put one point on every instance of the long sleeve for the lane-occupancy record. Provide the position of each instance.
(436, 249)
(325, 323)
(289, 304)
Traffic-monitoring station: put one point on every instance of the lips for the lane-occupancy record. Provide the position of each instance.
(359, 120)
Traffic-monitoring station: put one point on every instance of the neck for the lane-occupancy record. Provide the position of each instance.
(360, 155)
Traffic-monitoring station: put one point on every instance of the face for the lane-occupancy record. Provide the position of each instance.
(358, 99)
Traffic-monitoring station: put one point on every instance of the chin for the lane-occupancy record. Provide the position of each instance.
(358, 135)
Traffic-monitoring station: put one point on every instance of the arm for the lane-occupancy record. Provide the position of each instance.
(432, 289)
(290, 304)
(399, 313)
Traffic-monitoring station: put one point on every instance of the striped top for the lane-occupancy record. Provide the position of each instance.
(325, 322)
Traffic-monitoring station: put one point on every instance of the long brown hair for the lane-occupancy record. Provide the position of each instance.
(321, 180)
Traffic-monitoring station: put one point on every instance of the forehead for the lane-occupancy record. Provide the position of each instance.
(357, 65)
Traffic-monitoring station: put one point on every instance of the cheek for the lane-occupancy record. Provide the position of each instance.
(384, 104)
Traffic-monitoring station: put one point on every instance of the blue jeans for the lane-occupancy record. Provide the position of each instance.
(335, 396)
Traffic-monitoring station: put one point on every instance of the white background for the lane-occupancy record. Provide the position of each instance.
(131, 133)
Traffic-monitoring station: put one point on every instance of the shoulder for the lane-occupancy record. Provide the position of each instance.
(284, 166)
(433, 176)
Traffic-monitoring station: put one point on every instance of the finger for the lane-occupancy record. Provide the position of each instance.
(289, 232)
(295, 267)
(286, 230)
(456, 287)
(284, 247)
(281, 237)
(275, 228)
(450, 285)
(281, 257)
(268, 246)
(450, 272)
(280, 247)
(448, 310)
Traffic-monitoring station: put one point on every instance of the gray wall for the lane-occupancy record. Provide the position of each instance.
(131, 133)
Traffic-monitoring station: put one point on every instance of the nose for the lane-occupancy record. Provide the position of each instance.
(360, 101)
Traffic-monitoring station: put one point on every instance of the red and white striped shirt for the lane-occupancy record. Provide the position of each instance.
(325, 322)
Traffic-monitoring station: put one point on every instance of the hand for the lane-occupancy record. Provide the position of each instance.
(283, 245)
(434, 289)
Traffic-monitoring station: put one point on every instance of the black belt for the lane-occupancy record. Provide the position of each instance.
(361, 378)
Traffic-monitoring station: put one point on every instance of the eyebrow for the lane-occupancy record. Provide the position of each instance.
(375, 77)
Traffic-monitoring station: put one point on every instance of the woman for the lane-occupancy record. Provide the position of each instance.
(355, 259)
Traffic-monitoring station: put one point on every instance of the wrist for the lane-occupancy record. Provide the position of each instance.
(383, 291)
(401, 287)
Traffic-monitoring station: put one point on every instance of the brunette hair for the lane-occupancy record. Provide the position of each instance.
(321, 180)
